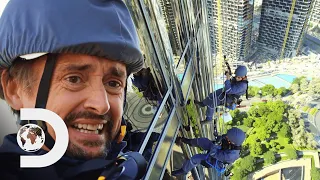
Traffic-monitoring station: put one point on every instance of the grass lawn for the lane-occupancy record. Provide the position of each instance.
(283, 142)
(243, 128)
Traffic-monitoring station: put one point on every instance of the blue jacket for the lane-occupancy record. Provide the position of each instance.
(65, 168)
(226, 156)
(236, 88)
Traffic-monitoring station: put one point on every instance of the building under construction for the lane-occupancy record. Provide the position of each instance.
(282, 26)
(315, 17)
(232, 27)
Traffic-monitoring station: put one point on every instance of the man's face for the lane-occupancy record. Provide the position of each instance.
(239, 78)
(87, 93)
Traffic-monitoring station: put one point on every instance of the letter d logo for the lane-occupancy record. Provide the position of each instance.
(61, 142)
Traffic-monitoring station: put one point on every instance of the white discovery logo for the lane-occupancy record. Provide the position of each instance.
(32, 139)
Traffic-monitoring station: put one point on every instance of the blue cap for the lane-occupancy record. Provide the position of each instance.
(102, 28)
(236, 136)
(241, 71)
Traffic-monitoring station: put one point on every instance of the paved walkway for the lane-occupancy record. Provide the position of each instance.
(290, 163)
(306, 163)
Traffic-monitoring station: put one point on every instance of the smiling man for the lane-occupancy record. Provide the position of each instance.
(73, 58)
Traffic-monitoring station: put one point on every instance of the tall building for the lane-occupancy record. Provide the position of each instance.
(315, 16)
(211, 26)
(170, 17)
(282, 26)
(235, 26)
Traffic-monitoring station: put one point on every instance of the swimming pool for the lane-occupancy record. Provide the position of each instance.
(286, 77)
(278, 80)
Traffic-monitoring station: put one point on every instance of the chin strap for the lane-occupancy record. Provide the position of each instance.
(42, 97)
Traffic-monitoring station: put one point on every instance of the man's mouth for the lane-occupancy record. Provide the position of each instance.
(89, 128)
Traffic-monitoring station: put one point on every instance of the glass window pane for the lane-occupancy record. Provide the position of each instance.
(146, 91)
(164, 149)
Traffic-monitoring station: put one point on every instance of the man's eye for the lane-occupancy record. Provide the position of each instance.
(74, 79)
(113, 83)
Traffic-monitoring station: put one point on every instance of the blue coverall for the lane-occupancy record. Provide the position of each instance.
(225, 156)
(65, 168)
(232, 87)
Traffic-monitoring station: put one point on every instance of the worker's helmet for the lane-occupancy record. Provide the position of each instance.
(29, 29)
(236, 136)
(241, 71)
(33, 28)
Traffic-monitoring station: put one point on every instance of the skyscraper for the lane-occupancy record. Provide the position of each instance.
(282, 26)
(211, 26)
(235, 26)
(315, 16)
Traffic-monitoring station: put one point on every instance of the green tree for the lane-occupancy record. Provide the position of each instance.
(269, 157)
(314, 86)
(298, 80)
(311, 143)
(259, 122)
(253, 111)
(263, 110)
(291, 153)
(256, 149)
(295, 88)
(238, 174)
(282, 91)
(248, 163)
(253, 91)
(248, 121)
(273, 145)
(304, 83)
(268, 90)
(263, 134)
(315, 173)
(285, 130)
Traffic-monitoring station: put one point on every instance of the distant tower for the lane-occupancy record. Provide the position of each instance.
(282, 26)
(236, 27)
(315, 16)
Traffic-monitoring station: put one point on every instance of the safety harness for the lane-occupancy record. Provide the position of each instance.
(235, 98)
(220, 166)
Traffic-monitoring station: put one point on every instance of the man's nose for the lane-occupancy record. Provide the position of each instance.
(97, 101)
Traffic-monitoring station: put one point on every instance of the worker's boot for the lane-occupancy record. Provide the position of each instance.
(181, 140)
(199, 103)
(177, 172)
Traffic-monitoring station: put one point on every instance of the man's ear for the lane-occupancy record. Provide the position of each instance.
(10, 91)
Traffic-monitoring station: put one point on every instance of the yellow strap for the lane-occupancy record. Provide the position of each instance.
(101, 178)
(123, 131)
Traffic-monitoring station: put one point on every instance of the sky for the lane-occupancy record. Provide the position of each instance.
(3, 3)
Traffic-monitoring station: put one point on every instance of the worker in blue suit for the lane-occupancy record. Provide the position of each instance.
(225, 152)
(230, 94)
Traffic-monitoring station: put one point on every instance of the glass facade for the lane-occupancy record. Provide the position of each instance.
(178, 66)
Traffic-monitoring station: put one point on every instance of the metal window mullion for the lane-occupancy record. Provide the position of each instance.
(155, 120)
(160, 141)
(184, 52)
(185, 72)
(190, 86)
(170, 150)
(147, 20)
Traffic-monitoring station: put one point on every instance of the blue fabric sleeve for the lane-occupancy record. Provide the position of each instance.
(236, 88)
(226, 156)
